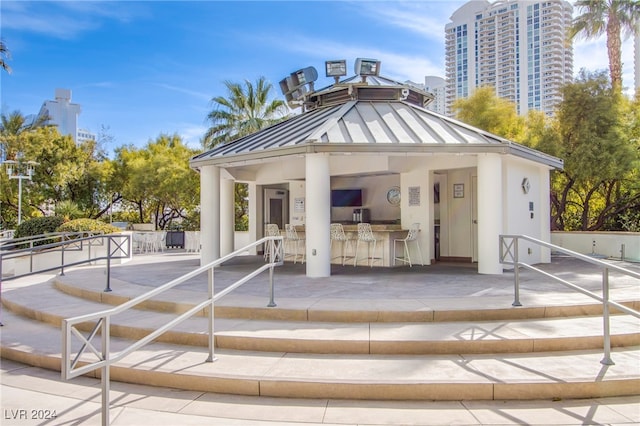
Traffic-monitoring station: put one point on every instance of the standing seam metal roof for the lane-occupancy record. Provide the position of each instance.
(371, 123)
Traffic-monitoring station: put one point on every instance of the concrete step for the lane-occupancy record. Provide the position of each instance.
(441, 309)
(78, 402)
(44, 302)
(542, 375)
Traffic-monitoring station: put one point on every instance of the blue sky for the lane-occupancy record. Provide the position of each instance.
(142, 68)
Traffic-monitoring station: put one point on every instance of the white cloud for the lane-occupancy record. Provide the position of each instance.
(191, 134)
(426, 18)
(193, 93)
(65, 19)
(399, 66)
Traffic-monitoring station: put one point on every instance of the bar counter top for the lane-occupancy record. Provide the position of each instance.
(375, 227)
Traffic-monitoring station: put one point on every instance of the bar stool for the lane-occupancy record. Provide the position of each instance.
(412, 235)
(271, 230)
(292, 238)
(365, 235)
(337, 234)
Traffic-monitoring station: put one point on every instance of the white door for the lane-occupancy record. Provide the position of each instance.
(276, 206)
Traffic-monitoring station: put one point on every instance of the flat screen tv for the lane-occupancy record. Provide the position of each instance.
(346, 198)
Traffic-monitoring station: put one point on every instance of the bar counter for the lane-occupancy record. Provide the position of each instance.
(384, 233)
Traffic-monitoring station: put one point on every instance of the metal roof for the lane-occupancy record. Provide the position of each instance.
(367, 126)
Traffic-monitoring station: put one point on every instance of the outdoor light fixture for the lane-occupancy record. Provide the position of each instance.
(365, 67)
(336, 69)
(15, 170)
(293, 87)
(305, 76)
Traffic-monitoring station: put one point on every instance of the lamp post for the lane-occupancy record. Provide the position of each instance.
(19, 170)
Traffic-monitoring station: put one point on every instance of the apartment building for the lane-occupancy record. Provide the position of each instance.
(62, 113)
(518, 47)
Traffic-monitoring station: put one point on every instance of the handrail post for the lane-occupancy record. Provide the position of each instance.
(108, 288)
(62, 260)
(272, 302)
(211, 357)
(605, 317)
(106, 371)
(516, 274)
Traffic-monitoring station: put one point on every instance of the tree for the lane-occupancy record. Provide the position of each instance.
(156, 181)
(485, 110)
(15, 123)
(4, 56)
(245, 110)
(613, 18)
(65, 171)
(593, 135)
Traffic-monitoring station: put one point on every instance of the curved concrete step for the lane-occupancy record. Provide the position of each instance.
(544, 375)
(45, 303)
(331, 310)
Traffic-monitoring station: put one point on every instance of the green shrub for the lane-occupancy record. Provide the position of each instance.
(87, 225)
(38, 226)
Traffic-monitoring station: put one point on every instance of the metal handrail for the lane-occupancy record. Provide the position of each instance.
(118, 247)
(32, 239)
(69, 241)
(511, 249)
(105, 359)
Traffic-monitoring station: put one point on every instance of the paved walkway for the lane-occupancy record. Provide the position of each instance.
(28, 392)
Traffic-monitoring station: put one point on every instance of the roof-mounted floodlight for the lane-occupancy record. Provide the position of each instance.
(305, 76)
(336, 69)
(365, 67)
(293, 87)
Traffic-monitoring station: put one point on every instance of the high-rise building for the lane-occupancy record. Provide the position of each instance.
(519, 47)
(437, 86)
(64, 114)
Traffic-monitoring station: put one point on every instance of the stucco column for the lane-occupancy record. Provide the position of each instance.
(209, 214)
(227, 216)
(318, 215)
(252, 190)
(544, 211)
(490, 196)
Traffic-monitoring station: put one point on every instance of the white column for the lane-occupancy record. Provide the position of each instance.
(318, 215)
(490, 194)
(544, 213)
(227, 216)
(254, 217)
(209, 214)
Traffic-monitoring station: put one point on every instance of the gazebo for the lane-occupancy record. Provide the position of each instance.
(374, 137)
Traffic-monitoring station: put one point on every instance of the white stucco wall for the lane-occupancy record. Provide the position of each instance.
(607, 244)
(526, 213)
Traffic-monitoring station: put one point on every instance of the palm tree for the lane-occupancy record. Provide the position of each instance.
(16, 123)
(613, 17)
(245, 110)
(4, 55)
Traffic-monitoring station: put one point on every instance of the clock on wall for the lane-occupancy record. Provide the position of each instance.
(393, 196)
